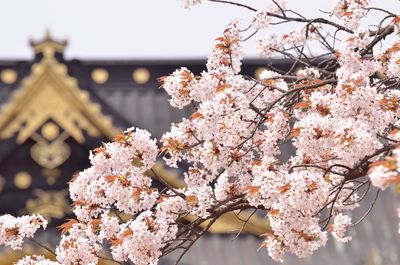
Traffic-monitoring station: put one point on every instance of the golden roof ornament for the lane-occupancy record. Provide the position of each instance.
(48, 46)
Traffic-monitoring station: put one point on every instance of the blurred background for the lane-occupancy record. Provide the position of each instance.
(74, 73)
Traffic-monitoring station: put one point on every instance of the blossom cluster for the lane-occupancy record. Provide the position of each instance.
(273, 44)
(339, 227)
(115, 203)
(190, 3)
(13, 230)
(118, 182)
(217, 139)
(262, 18)
(386, 172)
(350, 11)
(232, 139)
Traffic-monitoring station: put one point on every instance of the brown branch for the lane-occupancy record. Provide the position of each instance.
(235, 4)
(43, 246)
(380, 36)
(361, 169)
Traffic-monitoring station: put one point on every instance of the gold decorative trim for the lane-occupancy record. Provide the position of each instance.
(8, 76)
(22, 180)
(2, 183)
(100, 75)
(49, 204)
(50, 131)
(48, 46)
(50, 154)
(141, 75)
(258, 72)
(51, 175)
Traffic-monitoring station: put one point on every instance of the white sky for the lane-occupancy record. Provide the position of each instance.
(129, 29)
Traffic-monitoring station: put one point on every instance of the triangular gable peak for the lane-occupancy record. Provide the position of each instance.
(49, 93)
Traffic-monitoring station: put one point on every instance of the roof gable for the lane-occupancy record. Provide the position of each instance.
(50, 93)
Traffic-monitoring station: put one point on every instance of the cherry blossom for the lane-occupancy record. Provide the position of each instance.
(350, 11)
(261, 20)
(338, 113)
(13, 230)
(339, 226)
(190, 3)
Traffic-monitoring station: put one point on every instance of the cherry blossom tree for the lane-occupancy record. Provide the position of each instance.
(338, 109)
